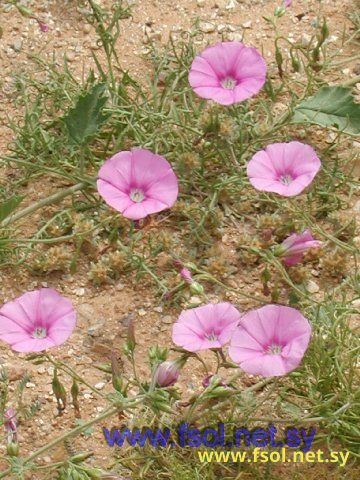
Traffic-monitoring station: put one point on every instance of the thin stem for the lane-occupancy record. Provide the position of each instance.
(42, 203)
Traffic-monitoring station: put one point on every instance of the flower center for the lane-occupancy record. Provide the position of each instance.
(274, 349)
(228, 83)
(137, 195)
(286, 179)
(211, 336)
(39, 332)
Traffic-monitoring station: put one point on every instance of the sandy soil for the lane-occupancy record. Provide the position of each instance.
(104, 312)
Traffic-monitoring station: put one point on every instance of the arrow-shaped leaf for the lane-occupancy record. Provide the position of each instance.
(85, 119)
(330, 107)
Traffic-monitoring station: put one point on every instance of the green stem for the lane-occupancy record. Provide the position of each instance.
(61, 438)
(42, 203)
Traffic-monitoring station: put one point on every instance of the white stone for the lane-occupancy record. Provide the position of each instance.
(100, 385)
(312, 287)
(207, 27)
(247, 24)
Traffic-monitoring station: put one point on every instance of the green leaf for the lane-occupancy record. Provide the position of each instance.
(330, 107)
(8, 206)
(84, 120)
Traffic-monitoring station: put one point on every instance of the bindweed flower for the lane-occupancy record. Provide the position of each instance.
(270, 341)
(167, 373)
(227, 72)
(44, 27)
(287, 3)
(137, 183)
(283, 168)
(293, 247)
(37, 320)
(208, 326)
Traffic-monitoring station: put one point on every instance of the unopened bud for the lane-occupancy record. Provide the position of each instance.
(206, 380)
(324, 33)
(10, 421)
(196, 288)
(12, 449)
(44, 27)
(279, 11)
(59, 392)
(166, 374)
(74, 395)
(186, 275)
(117, 380)
(131, 342)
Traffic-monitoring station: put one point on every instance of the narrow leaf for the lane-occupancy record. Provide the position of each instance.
(330, 107)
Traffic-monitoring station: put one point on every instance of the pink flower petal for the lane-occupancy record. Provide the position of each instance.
(140, 171)
(208, 326)
(272, 328)
(242, 66)
(283, 168)
(37, 320)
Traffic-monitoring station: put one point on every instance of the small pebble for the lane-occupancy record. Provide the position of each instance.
(100, 385)
(207, 27)
(247, 24)
(312, 287)
(70, 56)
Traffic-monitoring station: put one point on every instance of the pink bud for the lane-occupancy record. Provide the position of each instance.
(10, 425)
(166, 374)
(287, 3)
(9, 420)
(44, 27)
(293, 247)
(206, 380)
(186, 275)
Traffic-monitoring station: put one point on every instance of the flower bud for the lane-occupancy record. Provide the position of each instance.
(74, 395)
(10, 421)
(167, 373)
(293, 247)
(186, 275)
(196, 288)
(44, 27)
(117, 380)
(279, 11)
(59, 392)
(206, 380)
(12, 449)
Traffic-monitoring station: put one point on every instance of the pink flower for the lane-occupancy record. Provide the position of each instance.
(293, 247)
(270, 341)
(287, 3)
(208, 326)
(137, 183)
(283, 168)
(37, 320)
(167, 373)
(227, 72)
